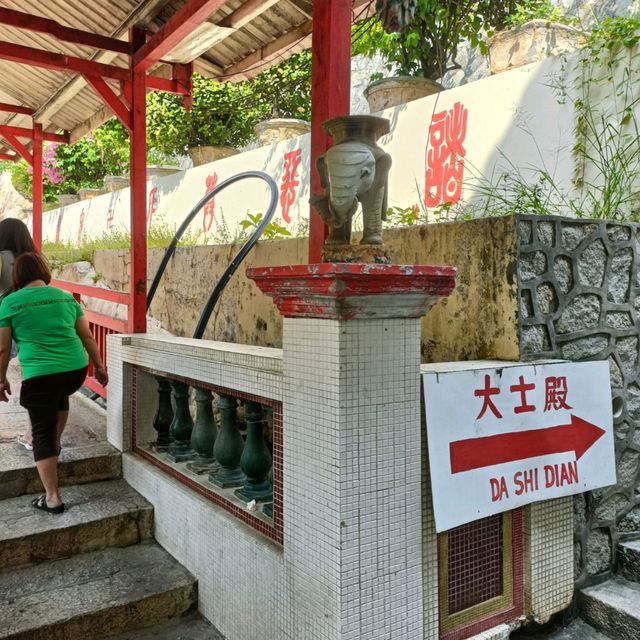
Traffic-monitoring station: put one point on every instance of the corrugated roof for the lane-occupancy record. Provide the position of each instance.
(272, 31)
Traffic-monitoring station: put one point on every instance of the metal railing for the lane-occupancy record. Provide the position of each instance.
(102, 325)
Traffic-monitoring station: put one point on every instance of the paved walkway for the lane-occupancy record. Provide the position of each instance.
(86, 426)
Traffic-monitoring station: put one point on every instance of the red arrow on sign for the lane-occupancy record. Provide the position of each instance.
(476, 453)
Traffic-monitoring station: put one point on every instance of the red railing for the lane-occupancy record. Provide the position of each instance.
(101, 325)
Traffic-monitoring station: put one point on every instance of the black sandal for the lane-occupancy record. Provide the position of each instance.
(41, 504)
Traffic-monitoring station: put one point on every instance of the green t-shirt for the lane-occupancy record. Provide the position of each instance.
(43, 324)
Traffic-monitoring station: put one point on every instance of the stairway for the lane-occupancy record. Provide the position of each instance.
(613, 607)
(93, 571)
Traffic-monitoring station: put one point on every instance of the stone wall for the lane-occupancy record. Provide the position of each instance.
(579, 300)
(477, 321)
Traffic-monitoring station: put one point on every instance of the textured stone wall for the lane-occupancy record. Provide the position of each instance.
(579, 287)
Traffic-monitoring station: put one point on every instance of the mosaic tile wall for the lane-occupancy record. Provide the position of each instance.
(242, 583)
(352, 471)
(579, 291)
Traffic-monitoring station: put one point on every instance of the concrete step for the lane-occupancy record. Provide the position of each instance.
(629, 559)
(77, 465)
(190, 626)
(98, 515)
(94, 595)
(612, 607)
(577, 630)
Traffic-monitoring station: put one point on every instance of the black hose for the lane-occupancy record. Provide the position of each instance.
(237, 260)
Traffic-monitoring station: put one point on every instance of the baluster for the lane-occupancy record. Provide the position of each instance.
(182, 425)
(256, 459)
(204, 433)
(228, 447)
(164, 415)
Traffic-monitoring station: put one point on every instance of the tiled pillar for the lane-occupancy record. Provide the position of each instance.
(352, 454)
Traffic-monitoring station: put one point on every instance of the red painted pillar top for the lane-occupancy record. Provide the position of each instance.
(342, 291)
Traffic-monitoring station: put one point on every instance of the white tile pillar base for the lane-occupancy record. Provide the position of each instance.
(352, 453)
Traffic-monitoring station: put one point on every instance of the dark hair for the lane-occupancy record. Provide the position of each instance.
(15, 237)
(29, 267)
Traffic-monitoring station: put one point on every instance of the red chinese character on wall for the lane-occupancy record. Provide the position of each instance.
(209, 209)
(153, 205)
(445, 156)
(485, 394)
(110, 215)
(555, 393)
(522, 389)
(81, 227)
(290, 182)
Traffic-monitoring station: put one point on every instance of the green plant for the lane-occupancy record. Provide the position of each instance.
(225, 113)
(403, 216)
(273, 230)
(428, 46)
(545, 10)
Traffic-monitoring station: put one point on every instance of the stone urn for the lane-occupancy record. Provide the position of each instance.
(531, 42)
(115, 183)
(87, 194)
(160, 171)
(206, 154)
(279, 129)
(390, 92)
(65, 199)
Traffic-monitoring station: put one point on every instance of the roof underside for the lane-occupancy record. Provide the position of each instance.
(261, 33)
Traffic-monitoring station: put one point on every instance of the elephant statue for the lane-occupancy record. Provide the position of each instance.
(355, 170)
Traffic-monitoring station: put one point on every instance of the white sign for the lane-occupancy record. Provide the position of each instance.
(501, 436)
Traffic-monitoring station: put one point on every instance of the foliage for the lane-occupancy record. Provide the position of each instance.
(545, 10)
(83, 164)
(429, 45)
(225, 113)
(158, 237)
(605, 98)
(273, 230)
(403, 216)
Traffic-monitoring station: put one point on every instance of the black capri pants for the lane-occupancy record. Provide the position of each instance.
(43, 397)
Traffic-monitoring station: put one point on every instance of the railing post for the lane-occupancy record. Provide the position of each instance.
(182, 425)
(204, 433)
(164, 415)
(256, 459)
(228, 447)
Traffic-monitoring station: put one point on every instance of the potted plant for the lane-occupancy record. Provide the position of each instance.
(424, 45)
(212, 129)
(533, 32)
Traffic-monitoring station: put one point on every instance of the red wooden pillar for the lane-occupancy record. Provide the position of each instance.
(330, 92)
(37, 184)
(138, 173)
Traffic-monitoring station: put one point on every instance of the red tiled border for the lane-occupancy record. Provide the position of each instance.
(515, 610)
(274, 531)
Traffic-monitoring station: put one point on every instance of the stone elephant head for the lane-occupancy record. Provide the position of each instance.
(355, 170)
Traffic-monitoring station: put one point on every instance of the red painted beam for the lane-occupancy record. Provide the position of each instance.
(37, 176)
(137, 316)
(111, 99)
(330, 89)
(44, 25)
(16, 108)
(18, 147)
(181, 24)
(165, 84)
(9, 157)
(22, 132)
(92, 292)
(49, 60)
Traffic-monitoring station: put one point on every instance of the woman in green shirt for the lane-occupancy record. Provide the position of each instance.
(52, 334)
